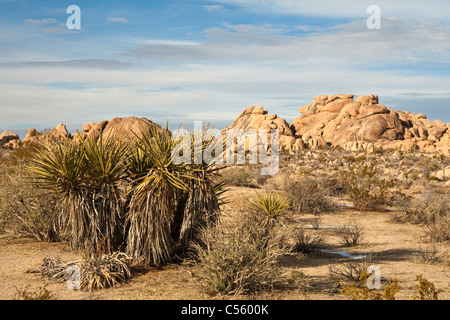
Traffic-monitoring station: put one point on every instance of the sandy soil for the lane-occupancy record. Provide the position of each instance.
(391, 246)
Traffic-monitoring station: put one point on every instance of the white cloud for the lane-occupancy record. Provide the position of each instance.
(117, 19)
(398, 42)
(40, 22)
(411, 9)
(213, 7)
(209, 93)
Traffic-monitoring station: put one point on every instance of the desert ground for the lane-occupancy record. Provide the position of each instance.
(400, 249)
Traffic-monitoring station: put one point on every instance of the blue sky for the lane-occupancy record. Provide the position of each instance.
(186, 61)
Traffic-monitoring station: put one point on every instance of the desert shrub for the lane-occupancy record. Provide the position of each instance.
(41, 293)
(430, 254)
(433, 212)
(130, 196)
(351, 270)
(172, 202)
(425, 290)
(238, 259)
(308, 195)
(22, 207)
(239, 176)
(271, 206)
(365, 190)
(85, 179)
(350, 234)
(306, 242)
(360, 291)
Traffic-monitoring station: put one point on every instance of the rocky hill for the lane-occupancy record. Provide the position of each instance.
(361, 124)
(330, 120)
(339, 120)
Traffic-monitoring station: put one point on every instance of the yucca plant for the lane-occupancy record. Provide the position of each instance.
(171, 202)
(271, 206)
(202, 202)
(85, 176)
(106, 161)
(153, 204)
(60, 170)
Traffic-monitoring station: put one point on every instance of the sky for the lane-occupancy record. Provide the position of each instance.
(183, 61)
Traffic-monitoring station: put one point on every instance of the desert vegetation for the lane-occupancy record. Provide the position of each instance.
(126, 211)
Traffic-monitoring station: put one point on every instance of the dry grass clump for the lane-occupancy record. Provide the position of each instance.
(430, 254)
(238, 259)
(98, 272)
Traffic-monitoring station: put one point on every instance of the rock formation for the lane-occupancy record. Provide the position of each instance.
(121, 128)
(9, 139)
(330, 120)
(339, 120)
(257, 118)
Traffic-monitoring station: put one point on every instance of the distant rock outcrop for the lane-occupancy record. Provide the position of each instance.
(356, 125)
(339, 120)
(121, 128)
(9, 139)
(257, 118)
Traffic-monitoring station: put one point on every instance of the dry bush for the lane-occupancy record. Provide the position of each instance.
(22, 207)
(350, 270)
(40, 294)
(430, 254)
(433, 212)
(239, 176)
(238, 259)
(360, 291)
(305, 242)
(309, 195)
(351, 234)
(425, 290)
(366, 190)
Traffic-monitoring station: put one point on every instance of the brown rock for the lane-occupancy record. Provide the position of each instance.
(8, 136)
(336, 105)
(368, 100)
(128, 128)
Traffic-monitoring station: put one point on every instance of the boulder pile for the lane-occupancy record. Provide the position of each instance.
(339, 120)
